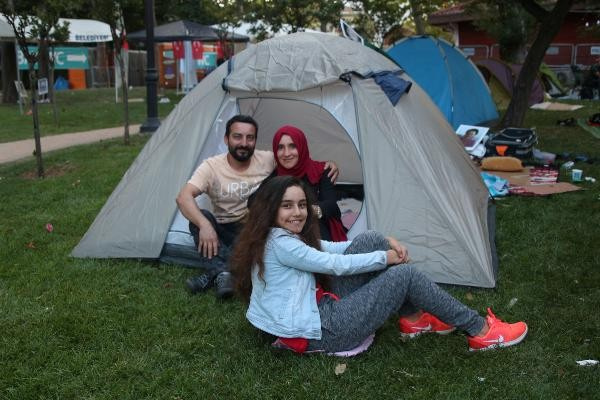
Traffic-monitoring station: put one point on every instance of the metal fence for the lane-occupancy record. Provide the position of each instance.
(102, 69)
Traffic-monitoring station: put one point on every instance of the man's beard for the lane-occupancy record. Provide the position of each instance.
(249, 151)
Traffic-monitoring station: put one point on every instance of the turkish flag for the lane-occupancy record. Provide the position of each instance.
(220, 52)
(178, 50)
(124, 44)
(197, 50)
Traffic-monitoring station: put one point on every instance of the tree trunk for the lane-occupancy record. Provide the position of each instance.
(547, 30)
(9, 73)
(417, 15)
(51, 97)
(36, 121)
(125, 92)
(44, 59)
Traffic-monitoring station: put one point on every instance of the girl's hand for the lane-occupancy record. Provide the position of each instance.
(400, 250)
(393, 258)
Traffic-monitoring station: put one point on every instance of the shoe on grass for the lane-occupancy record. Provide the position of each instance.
(501, 334)
(427, 323)
(224, 285)
(200, 283)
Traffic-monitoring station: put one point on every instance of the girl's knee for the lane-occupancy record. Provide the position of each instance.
(371, 239)
(406, 272)
(400, 272)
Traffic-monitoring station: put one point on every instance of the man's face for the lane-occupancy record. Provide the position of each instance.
(241, 141)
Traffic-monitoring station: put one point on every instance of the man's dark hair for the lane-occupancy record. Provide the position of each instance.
(246, 119)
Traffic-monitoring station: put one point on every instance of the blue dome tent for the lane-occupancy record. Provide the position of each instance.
(451, 80)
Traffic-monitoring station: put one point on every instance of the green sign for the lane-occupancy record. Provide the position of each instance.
(64, 58)
(209, 59)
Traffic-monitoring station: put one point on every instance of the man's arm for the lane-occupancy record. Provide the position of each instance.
(208, 241)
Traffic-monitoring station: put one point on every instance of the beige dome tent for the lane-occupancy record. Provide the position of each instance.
(419, 183)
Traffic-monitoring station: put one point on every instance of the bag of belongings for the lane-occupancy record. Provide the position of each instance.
(515, 142)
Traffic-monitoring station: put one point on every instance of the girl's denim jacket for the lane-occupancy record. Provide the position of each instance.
(284, 302)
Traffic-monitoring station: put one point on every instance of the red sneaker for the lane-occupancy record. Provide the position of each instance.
(427, 323)
(501, 334)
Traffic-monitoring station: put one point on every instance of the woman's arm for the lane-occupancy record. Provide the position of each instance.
(327, 199)
(293, 253)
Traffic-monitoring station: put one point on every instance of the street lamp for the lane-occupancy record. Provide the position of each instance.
(152, 122)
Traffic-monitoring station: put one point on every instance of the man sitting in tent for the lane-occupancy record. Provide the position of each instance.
(228, 179)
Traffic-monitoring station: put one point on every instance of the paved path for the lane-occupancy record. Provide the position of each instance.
(13, 151)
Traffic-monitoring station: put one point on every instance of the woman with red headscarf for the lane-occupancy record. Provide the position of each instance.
(293, 158)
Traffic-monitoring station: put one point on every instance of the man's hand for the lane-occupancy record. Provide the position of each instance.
(333, 171)
(400, 250)
(208, 241)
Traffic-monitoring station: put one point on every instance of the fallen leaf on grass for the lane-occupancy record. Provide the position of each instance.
(49, 227)
(30, 245)
(340, 369)
(469, 296)
(168, 285)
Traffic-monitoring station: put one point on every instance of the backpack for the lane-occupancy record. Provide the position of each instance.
(516, 142)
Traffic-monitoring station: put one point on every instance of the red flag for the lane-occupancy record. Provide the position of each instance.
(197, 50)
(124, 44)
(220, 54)
(178, 50)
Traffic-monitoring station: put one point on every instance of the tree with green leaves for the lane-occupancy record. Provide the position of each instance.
(378, 18)
(226, 16)
(292, 15)
(111, 12)
(506, 22)
(34, 21)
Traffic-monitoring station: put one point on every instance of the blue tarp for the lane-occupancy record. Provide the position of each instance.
(451, 80)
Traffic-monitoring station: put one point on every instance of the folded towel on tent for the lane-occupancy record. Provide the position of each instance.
(393, 86)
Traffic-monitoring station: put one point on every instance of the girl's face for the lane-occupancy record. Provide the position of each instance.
(287, 153)
(292, 212)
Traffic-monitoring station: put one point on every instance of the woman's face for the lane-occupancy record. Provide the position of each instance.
(292, 212)
(287, 153)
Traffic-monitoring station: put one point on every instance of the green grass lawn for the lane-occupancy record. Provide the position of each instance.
(79, 110)
(126, 329)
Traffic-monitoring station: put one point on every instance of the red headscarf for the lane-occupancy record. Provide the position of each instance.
(305, 166)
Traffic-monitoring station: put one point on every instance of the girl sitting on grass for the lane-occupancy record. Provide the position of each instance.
(316, 295)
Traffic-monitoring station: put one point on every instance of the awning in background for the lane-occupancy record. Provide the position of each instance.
(185, 30)
(6, 31)
(87, 31)
(80, 30)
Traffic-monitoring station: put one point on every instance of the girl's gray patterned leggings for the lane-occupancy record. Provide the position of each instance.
(368, 300)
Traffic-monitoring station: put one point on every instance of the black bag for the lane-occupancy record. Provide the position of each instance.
(515, 142)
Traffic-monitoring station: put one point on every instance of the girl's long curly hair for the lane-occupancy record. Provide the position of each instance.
(249, 250)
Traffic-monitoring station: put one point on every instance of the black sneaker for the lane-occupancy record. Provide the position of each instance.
(200, 283)
(224, 285)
